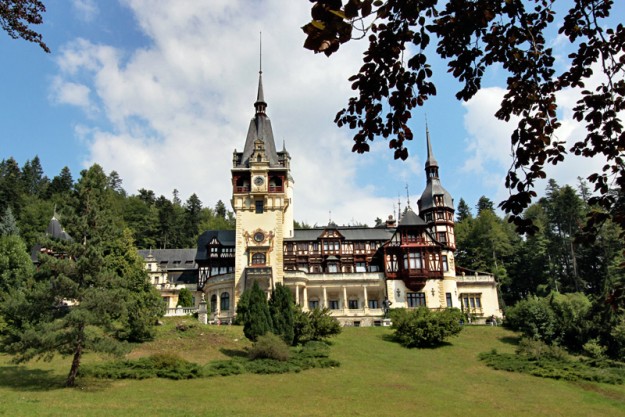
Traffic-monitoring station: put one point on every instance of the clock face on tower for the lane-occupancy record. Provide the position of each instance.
(259, 236)
(259, 181)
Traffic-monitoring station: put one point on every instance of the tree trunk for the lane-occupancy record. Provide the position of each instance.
(71, 378)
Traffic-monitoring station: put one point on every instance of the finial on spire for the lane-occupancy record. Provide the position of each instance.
(407, 196)
(260, 104)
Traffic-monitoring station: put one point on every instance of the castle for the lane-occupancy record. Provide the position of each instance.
(353, 271)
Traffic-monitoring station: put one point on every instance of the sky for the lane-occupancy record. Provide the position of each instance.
(162, 91)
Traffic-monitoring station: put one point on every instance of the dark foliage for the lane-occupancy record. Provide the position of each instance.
(17, 15)
(474, 36)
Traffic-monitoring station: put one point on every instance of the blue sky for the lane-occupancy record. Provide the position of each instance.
(162, 92)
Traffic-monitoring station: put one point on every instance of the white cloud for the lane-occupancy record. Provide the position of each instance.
(75, 94)
(178, 108)
(489, 140)
(87, 10)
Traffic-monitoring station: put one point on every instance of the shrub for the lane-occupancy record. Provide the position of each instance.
(424, 328)
(554, 368)
(269, 346)
(314, 325)
(534, 318)
(594, 350)
(224, 368)
(162, 365)
(534, 349)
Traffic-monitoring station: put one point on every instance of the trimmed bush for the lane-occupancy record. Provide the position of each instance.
(269, 346)
(425, 328)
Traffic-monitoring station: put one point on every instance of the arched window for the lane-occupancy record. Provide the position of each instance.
(258, 259)
(225, 301)
(213, 303)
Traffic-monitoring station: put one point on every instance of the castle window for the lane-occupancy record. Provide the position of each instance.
(434, 262)
(259, 207)
(333, 268)
(448, 299)
(471, 301)
(442, 237)
(225, 301)
(416, 299)
(391, 263)
(440, 215)
(313, 304)
(373, 304)
(445, 263)
(361, 267)
(352, 304)
(334, 304)
(213, 303)
(413, 260)
(258, 259)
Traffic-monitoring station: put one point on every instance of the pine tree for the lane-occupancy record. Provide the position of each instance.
(90, 295)
(281, 309)
(8, 224)
(257, 318)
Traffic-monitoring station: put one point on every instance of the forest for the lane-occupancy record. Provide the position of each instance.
(567, 280)
(561, 256)
(156, 222)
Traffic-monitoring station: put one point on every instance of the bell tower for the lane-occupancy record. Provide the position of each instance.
(262, 192)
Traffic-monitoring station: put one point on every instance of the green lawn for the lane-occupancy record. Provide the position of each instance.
(376, 378)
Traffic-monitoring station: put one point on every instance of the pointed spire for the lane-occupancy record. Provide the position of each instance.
(407, 196)
(260, 104)
(431, 161)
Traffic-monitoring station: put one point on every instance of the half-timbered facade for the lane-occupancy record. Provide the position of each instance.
(353, 271)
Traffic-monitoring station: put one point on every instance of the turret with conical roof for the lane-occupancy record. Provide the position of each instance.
(436, 206)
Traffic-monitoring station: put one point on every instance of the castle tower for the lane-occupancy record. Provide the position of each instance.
(262, 192)
(436, 206)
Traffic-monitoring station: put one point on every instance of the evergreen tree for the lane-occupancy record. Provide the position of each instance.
(147, 196)
(62, 183)
(11, 191)
(281, 310)
(257, 317)
(142, 218)
(8, 224)
(484, 203)
(34, 183)
(185, 298)
(15, 263)
(192, 218)
(91, 294)
(463, 212)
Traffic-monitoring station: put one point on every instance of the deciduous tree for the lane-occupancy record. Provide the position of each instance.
(16, 16)
(473, 36)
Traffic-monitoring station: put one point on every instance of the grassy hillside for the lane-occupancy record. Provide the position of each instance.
(376, 378)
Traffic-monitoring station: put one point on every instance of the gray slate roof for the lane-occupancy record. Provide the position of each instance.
(172, 258)
(410, 218)
(225, 237)
(260, 128)
(350, 233)
(56, 231)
